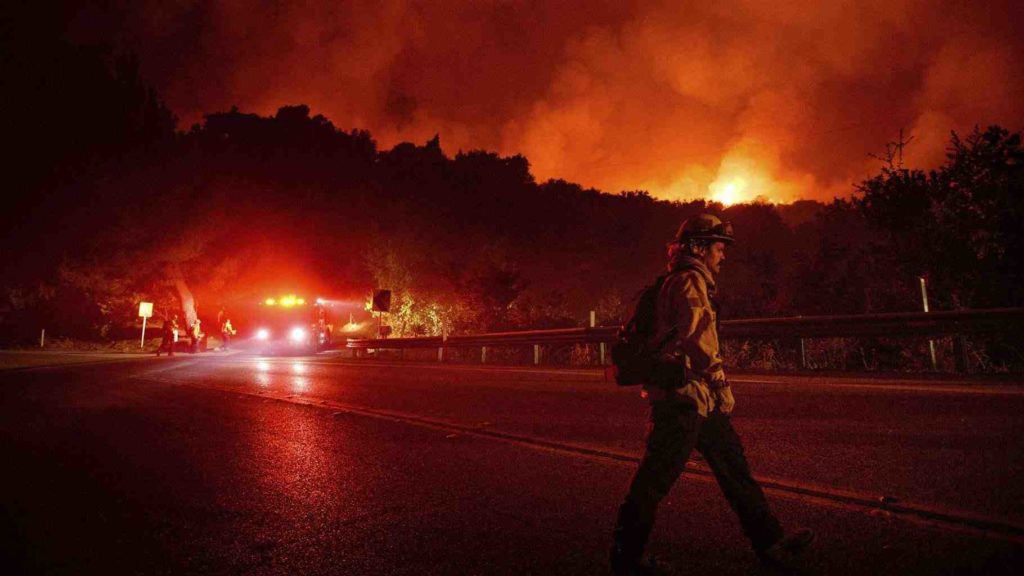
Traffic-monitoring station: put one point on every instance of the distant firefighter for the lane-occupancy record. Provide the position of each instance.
(170, 336)
(691, 403)
(226, 332)
(195, 335)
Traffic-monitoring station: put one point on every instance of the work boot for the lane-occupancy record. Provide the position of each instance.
(783, 553)
(628, 541)
(648, 566)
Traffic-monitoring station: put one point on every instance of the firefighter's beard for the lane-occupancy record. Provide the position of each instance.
(713, 258)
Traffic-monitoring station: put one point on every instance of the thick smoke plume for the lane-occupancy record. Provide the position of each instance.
(733, 99)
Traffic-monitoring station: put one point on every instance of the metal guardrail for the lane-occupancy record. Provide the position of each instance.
(940, 323)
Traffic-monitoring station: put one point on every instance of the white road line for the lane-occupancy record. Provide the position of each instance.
(951, 519)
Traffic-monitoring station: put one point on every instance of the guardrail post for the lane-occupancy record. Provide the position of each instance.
(440, 354)
(960, 353)
(601, 353)
(536, 354)
(803, 354)
(483, 354)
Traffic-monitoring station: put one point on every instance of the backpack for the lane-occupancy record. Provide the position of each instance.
(634, 360)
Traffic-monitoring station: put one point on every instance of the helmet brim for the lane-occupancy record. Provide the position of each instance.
(713, 237)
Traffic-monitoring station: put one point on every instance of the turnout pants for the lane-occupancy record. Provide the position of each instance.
(675, 429)
(166, 345)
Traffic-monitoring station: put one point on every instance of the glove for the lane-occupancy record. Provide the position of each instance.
(723, 399)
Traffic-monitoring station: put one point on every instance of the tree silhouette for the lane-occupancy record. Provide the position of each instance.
(960, 224)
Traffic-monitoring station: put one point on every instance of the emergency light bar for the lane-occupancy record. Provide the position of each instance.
(286, 301)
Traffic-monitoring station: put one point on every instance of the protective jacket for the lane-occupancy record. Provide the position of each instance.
(686, 324)
(170, 327)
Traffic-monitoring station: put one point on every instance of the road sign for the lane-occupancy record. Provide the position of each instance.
(381, 300)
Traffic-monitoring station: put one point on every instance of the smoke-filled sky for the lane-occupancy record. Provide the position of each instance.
(729, 99)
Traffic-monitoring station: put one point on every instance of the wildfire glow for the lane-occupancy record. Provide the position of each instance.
(730, 192)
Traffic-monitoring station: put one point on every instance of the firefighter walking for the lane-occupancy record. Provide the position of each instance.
(195, 334)
(691, 402)
(226, 332)
(170, 336)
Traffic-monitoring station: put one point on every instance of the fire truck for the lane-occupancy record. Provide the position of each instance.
(290, 324)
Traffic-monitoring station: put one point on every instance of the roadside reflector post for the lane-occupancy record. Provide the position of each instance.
(924, 302)
(42, 338)
(483, 354)
(536, 354)
(600, 347)
(803, 354)
(960, 353)
(440, 354)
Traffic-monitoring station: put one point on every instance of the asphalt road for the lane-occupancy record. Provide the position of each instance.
(241, 465)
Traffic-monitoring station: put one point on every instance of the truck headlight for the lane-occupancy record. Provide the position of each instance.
(298, 335)
(262, 334)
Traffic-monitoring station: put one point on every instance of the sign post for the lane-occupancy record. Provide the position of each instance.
(145, 311)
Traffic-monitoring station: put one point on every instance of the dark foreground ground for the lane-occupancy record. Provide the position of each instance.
(242, 465)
